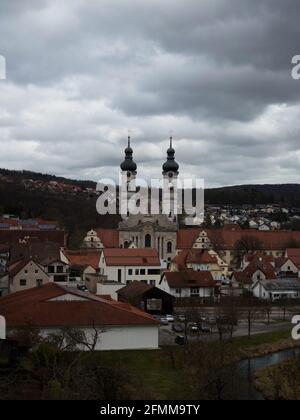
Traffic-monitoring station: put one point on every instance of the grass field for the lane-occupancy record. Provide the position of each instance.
(155, 369)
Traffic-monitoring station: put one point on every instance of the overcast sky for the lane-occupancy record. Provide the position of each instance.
(217, 73)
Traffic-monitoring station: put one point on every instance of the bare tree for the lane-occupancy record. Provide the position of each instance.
(73, 339)
(211, 370)
(245, 245)
(253, 311)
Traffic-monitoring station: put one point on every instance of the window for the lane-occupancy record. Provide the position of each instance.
(23, 282)
(130, 272)
(142, 272)
(26, 271)
(50, 269)
(169, 247)
(119, 275)
(178, 291)
(59, 269)
(128, 281)
(137, 272)
(36, 271)
(126, 244)
(148, 241)
(152, 282)
(39, 282)
(195, 291)
(153, 271)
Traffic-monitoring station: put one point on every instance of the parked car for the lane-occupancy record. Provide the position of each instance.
(181, 318)
(82, 288)
(181, 340)
(205, 328)
(164, 321)
(194, 327)
(177, 328)
(170, 318)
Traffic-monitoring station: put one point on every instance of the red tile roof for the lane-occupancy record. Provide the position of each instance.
(134, 289)
(201, 256)
(109, 237)
(190, 279)
(294, 255)
(131, 257)
(37, 307)
(242, 277)
(259, 256)
(194, 256)
(271, 240)
(84, 258)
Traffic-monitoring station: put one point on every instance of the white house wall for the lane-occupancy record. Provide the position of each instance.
(120, 338)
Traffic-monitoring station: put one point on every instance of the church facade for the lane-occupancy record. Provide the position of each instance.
(144, 230)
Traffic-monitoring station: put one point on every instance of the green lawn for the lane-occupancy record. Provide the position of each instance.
(260, 339)
(154, 368)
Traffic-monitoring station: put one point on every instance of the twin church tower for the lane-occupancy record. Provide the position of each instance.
(170, 171)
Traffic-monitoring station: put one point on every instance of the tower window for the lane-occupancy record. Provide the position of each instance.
(169, 247)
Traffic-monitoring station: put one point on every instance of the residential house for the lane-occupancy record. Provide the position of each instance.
(126, 265)
(189, 283)
(26, 274)
(277, 289)
(200, 260)
(258, 267)
(83, 263)
(52, 307)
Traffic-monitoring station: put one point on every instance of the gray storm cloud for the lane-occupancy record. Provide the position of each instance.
(215, 72)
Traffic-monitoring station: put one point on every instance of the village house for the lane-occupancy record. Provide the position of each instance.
(256, 267)
(126, 265)
(115, 325)
(82, 264)
(200, 260)
(189, 283)
(277, 289)
(26, 274)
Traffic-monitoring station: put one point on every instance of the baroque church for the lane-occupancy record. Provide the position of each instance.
(143, 231)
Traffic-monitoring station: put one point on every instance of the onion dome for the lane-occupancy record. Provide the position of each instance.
(128, 164)
(171, 165)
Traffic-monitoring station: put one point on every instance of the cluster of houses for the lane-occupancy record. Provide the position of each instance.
(57, 187)
(259, 217)
(120, 278)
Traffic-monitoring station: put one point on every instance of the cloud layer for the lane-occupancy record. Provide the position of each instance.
(217, 73)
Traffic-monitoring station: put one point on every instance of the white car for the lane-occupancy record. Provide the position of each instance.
(170, 318)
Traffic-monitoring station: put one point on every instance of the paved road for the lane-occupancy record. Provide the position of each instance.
(167, 336)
